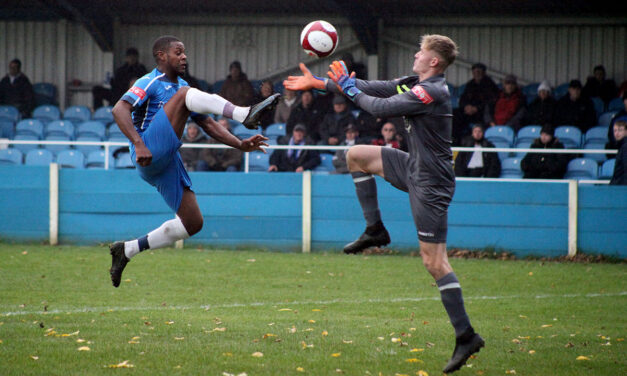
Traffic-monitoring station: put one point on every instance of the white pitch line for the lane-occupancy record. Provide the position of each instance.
(312, 302)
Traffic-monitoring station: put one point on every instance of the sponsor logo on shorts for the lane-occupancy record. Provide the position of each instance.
(428, 234)
(422, 94)
(138, 91)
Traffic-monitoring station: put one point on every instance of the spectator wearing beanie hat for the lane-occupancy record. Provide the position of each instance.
(509, 107)
(545, 165)
(541, 110)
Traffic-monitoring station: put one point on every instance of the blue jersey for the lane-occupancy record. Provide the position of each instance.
(148, 94)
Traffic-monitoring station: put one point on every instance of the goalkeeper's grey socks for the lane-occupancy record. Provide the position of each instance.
(451, 293)
(366, 189)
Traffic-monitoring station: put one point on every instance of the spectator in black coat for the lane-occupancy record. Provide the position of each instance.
(305, 113)
(16, 89)
(123, 77)
(545, 165)
(575, 109)
(295, 160)
(332, 127)
(479, 92)
(542, 109)
(620, 115)
(599, 86)
(477, 164)
(619, 177)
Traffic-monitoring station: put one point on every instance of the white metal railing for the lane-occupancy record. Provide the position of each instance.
(108, 144)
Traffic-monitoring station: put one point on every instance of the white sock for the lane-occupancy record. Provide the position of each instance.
(205, 103)
(165, 235)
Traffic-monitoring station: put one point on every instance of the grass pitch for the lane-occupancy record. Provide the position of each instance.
(209, 312)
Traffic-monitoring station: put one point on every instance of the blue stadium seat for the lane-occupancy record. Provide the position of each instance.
(10, 113)
(57, 148)
(39, 157)
(7, 129)
(510, 169)
(86, 149)
(278, 87)
(599, 105)
(605, 118)
(71, 158)
(113, 130)
(502, 144)
(596, 135)
(10, 156)
(103, 114)
(522, 144)
(271, 141)
(47, 113)
(607, 169)
(259, 162)
(45, 93)
(454, 101)
(528, 133)
(217, 86)
(30, 127)
(96, 159)
(77, 114)
(92, 128)
(582, 168)
(461, 89)
(616, 104)
(561, 90)
(60, 128)
(531, 89)
(256, 85)
(569, 135)
(123, 160)
(500, 133)
(24, 148)
(595, 145)
(326, 163)
(275, 130)
(242, 132)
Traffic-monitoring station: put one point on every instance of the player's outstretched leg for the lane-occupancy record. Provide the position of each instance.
(205, 103)
(363, 161)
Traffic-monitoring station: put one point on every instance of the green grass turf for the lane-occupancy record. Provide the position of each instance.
(207, 312)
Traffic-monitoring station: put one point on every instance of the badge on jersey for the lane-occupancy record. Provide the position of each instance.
(138, 91)
(422, 94)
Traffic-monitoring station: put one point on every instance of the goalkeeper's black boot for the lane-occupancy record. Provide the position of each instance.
(465, 345)
(118, 262)
(374, 236)
(256, 111)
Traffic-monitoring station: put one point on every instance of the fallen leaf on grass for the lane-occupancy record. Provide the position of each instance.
(304, 345)
(179, 338)
(0, 341)
(169, 322)
(413, 360)
(430, 345)
(325, 333)
(510, 372)
(380, 338)
(311, 321)
(219, 330)
(620, 339)
(581, 357)
(395, 340)
(300, 369)
(416, 350)
(522, 316)
(422, 373)
(412, 329)
(516, 340)
(292, 329)
(269, 335)
(284, 309)
(347, 342)
(316, 310)
(127, 280)
(251, 260)
(25, 252)
(336, 355)
(547, 325)
(569, 344)
(124, 364)
(532, 352)
(84, 348)
(257, 354)
(34, 357)
(133, 342)
(227, 354)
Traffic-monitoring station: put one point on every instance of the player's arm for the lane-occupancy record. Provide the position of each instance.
(122, 116)
(218, 132)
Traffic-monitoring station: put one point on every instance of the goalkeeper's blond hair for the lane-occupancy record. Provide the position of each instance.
(441, 45)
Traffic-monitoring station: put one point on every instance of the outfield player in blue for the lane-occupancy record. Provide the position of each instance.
(152, 114)
(426, 172)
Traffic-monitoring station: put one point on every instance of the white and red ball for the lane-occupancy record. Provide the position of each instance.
(319, 39)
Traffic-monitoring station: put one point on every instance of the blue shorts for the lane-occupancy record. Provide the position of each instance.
(166, 172)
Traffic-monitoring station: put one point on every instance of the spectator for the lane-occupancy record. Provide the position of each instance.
(266, 90)
(16, 89)
(509, 107)
(228, 159)
(477, 164)
(598, 86)
(541, 110)
(575, 109)
(545, 165)
(369, 126)
(295, 160)
(123, 78)
(305, 113)
(620, 130)
(620, 115)
(352, 66)
(479, 92)
(622, 88)
(237, 89)
(192, 156)
(388, 137)
(191, 80)
(351, 138)
(288, 102)
(332, 127)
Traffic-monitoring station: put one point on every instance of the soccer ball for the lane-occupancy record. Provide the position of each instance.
(319, 39)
